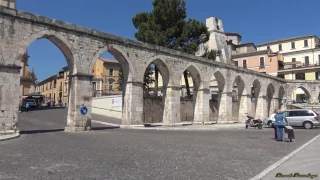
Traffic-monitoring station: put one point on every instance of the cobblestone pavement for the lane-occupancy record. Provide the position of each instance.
(45, 151)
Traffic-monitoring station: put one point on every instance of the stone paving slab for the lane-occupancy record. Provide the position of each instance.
(303, 163)
(178, 126)
(45, 151)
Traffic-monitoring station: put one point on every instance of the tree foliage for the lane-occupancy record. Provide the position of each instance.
(166, 26)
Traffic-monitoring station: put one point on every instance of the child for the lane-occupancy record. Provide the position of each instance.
(27, 107)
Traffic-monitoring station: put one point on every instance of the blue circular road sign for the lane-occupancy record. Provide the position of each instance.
(84, 110)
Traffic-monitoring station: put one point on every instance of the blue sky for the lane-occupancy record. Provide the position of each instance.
(257, 21)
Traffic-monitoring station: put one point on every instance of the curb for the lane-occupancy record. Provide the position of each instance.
(283, 160)
(8, 137)
(185, 128)
(105, 123)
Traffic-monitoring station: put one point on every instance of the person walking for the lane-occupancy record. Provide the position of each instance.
(279, 124)
(273, 120)
(27, 107)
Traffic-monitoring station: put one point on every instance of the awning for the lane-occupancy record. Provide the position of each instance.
(34, 95)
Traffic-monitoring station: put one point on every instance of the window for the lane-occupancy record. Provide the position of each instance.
(236, 63)
(110, 72)
(94, 84)
(317, 75)
(54, 83)
(305, 43)
(293, 45)
(110, 86)
(262, 62)
(268, 47)
(65, 88)
(244, 63)
(293, 60)
(54, 96)
(300, 76)
(218, 28)
(306, 61)
(280, 47)
(319, 59)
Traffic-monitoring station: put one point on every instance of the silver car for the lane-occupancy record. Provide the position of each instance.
(302, 117)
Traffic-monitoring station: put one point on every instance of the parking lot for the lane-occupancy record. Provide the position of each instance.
(45, 151)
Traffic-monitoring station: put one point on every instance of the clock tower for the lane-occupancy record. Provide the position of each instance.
(8, 3)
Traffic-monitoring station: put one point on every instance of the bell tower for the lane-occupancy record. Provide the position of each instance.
(8, 3)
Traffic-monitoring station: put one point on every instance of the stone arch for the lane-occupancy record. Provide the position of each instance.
(305, 90)
(121, 56)
(195, 74)
(255, 92)
(238, 89)
(154, 105)
(216, 86)
(271, 106)
(56, 38)
(189, 106)
(163, 68)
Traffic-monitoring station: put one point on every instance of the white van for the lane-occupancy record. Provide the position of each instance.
(32, 102)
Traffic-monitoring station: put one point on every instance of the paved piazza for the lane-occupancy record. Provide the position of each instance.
(45, 151)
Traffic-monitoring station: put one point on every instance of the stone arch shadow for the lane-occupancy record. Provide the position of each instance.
(155, 104)
(238, 89)
(216, 87)
(255, 92)
(271, 106)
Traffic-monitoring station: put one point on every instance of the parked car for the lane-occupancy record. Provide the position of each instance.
(32, 102)
(268, 122)
(302, 117)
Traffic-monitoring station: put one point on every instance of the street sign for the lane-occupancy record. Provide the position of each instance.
(84, 110)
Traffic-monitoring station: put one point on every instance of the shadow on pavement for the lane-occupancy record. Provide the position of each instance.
(59, 130)
(43, 108)
(40, 131)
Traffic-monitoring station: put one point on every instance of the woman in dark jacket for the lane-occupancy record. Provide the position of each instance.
(279, 123)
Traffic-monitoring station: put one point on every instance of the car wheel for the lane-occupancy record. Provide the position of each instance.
(260, 126)
(269, 124)
(308, 125)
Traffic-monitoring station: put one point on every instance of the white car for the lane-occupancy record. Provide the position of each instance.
(268, 122)
(32, 102)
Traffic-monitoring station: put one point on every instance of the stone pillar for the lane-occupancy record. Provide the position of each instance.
(225, 109)
(132, 112)
(262, 108)
(9, 97)
(80, 95)
(245, 108)
(202, 107)
(171, 113)
(274, 105)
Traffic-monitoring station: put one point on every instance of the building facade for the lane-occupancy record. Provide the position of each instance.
(106, 74)
(52, 88)
(105, 82)
(301, 60)
(27, 78)
(262, 61)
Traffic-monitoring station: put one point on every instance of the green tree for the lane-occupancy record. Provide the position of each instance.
(148, 79)
(120, 80)
(166, 26)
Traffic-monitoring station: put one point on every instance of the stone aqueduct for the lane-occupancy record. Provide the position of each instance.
(82, 46)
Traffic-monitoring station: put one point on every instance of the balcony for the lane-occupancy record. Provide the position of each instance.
(296, 66)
